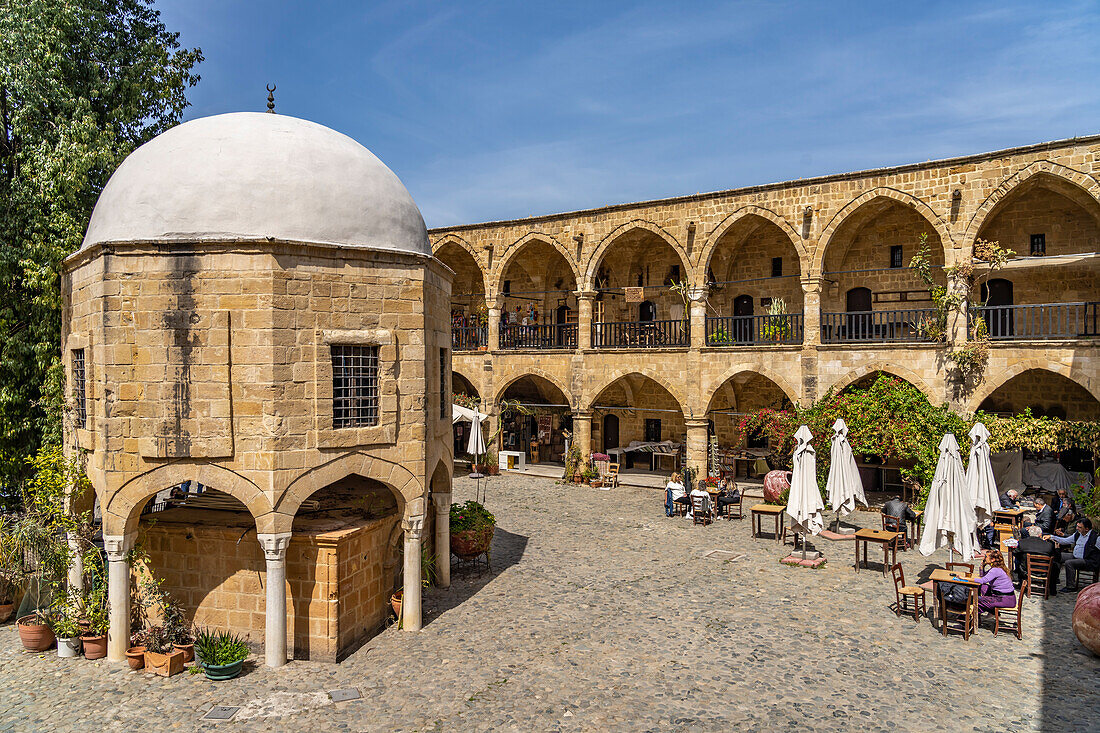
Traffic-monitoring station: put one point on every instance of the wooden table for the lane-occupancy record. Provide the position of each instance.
(914, 526)
(882, 537)
(943, 575)
(761, 510)
(1008, 554)
(1015, 517)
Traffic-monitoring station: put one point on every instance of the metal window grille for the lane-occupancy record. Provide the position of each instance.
(443, 383)
(895, 256)
(79, 393)
(354, 385)
(1038, 244)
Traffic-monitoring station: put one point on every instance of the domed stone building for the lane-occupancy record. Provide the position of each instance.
(257, 344)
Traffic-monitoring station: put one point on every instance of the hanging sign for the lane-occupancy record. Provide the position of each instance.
(634, 295)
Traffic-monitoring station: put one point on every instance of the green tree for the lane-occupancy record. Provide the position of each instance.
(82, 83)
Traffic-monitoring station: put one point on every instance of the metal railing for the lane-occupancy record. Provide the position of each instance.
(639, 334)
(469, 338)
(877, 326)
(785, 328)
(1042, 321)
(542, 336)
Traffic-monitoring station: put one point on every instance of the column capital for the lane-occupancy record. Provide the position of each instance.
(117, 545)
(274, 544)
(586, 294)
(812, 284)
(698, 294)
(413, 526)
(581, 414)
(697, 422)
(442, 501)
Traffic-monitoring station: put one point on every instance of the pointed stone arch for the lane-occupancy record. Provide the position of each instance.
(724, 226)
(123, 510)
(1010, 184)
(474, 384)
(615, 376)
(594, 260)
(514, 249)
(752, 368)
(403, 483)
(892, 369)
(461, 243)
(881, 192)
(512, 376)
(989, 386)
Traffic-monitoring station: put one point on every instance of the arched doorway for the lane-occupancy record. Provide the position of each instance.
(648, 424)
(996, 295)
(743, 330)
(647, 311)
(741, 455)
(538, 428)
(464, 393)
(858, 307)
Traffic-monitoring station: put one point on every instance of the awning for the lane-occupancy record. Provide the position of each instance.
(1018, 263)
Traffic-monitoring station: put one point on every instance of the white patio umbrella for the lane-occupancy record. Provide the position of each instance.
(844, 486)
(979, 475)
(949, 514)
(476, 446)
(804, 505)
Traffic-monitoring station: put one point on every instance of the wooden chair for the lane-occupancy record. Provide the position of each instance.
(700, 512)
(613, 473)
(738, 506)
(1037, 576)
(955, 567)
(966, 615)
(910, 489)
(907, 595)
(1093, 573)
(1015, 617)
(896, 525)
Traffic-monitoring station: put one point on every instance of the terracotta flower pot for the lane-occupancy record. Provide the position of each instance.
(6, 610)
(472, 542)
(135, 657)
(95, 647)
(164, 665)
(35, 637)
(188, 651)
(395, 602)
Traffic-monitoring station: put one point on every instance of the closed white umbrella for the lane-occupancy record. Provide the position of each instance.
(949, 513)
(843, 486)
(476, 445)
(804, 505)
(980, 481)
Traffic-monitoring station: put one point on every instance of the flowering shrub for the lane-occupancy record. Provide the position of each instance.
(470, 516)
(600, 457)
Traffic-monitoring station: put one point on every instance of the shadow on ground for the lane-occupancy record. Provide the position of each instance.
(467, 578)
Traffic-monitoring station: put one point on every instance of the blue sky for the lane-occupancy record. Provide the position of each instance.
(497, 110)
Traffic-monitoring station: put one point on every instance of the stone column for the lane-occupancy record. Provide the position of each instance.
(811, 311)
(493, 334)
(118, 594)
(697, 444)
(275, 544)
(582, 432)
(442, 503)
(697, 306)
(410, 599)
(585, 298)
(76, 566)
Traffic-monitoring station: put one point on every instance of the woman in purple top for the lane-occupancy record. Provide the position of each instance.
(997, 590)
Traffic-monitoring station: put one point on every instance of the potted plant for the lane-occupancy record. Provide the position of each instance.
(395, 602)
(220, 653)
(176, 627)
(67, 630)
(94, 613)
(11, 570)
(34, 631)
(135, 655)
(472, 527)
(591, 475)
(161, 657)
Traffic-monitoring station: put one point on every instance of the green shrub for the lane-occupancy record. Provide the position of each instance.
(470, 516)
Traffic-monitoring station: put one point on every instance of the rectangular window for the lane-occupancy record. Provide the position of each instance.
(1038, 244)
(354, 386)
(777, 267)
(443, 383)
(896, 256)
(79, 390)
(653, 430)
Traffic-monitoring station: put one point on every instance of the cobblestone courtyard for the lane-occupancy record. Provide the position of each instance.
(602, 614)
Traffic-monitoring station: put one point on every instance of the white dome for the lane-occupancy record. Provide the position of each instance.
(252, 175)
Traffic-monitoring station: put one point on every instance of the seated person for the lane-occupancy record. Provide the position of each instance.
(701, 490)
(1010, 499)
(996, 589)
(1085, 553)
(1032, 543)
(1044, 516)
(898, 508)
(728, 495)
(675, 493)
(1065, 510)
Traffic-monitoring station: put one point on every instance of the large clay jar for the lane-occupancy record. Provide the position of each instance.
(35, 637)
(1086, 618)
(775, 483)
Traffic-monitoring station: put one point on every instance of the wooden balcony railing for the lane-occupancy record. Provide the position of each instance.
(542, 336)
(639, 334)
(1042, 321)
(876, 326)
(469, 338)
(748, 330)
